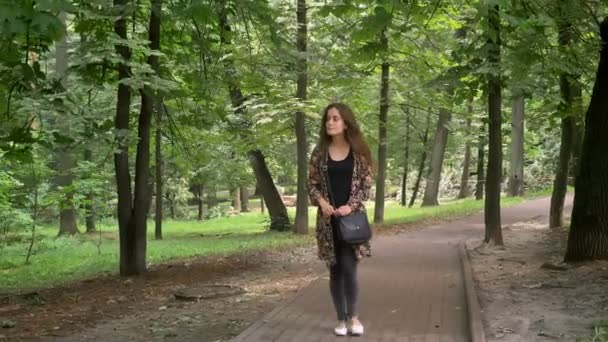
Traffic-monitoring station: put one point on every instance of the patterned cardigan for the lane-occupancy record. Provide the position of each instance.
(359, 193)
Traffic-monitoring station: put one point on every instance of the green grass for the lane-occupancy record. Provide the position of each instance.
(544, 192)
(63, 259)
(395, 214)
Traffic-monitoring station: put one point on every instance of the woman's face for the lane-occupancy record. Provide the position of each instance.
(334, 125)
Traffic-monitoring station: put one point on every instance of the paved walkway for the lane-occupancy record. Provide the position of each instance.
(412, 289)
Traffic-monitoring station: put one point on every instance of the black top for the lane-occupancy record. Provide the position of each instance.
(341, 178)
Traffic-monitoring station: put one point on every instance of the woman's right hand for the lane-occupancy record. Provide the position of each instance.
(326, 208)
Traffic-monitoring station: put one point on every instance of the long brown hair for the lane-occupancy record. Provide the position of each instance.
(353, 134)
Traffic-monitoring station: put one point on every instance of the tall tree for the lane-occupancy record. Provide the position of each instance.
(133, 208)
(431, 191)
(578, 129)
(516, 167)
(560, 184)
(588, 236)
(158, 213)
(481, 176)
(244, 199)
(406, 159)
(149, 100)
(425, 139)
(212, 197)
(276, 208)
(492, 200)
(131, 262)
(272, 199)
(64, 160)
(198, 195)
(466, 163)
(90, 216)
(301, 221)
(236, 199)
(382, 122)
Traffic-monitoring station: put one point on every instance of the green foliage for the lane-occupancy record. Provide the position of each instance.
(437, 55)
(216, 212)
(600, 333)
(11, 218)
(38, 18)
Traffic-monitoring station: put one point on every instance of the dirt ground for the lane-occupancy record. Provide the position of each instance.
(525, 298)
(145, 309)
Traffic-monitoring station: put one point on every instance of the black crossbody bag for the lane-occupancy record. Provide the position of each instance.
(354, 228)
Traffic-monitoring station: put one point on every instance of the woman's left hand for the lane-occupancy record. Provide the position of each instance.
(344, 210)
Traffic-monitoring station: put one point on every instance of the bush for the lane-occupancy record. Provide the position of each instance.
(12, 219)
(290, 190)
(216, 212)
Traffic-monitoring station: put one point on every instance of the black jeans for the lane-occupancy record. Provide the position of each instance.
(343, 283)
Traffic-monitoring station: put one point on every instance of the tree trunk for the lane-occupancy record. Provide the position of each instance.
(89, 207)
(578, 130)
(244, 199)
(129, 264)
(381, 177)
(516, 167)
(212, 198)
(279, 220)
(588, 236)
(64, 160)
(236, 199)
(464, 179)
(132, 214)
(68, 224)
(406, 160)
(425, 139)
(276, 208)
(262, 204)
(560, 184)
(158, 228)
(67, 217)
(171, 202)
(492, 201)
(431, 191)
(142, 195)
(479, 186)
(199, 200)
(301, 222)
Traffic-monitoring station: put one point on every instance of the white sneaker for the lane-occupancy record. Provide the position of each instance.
(356, 329)
(341, 330)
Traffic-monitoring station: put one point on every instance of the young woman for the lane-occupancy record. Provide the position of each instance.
(344, 154)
